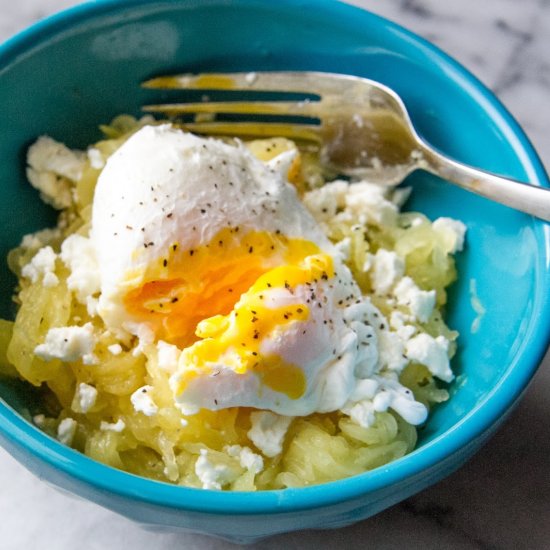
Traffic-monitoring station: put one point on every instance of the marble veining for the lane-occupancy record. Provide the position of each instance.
(501, 498)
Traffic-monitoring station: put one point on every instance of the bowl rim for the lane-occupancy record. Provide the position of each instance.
(474, 425)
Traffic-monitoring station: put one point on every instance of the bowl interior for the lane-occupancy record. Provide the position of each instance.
(47, 88)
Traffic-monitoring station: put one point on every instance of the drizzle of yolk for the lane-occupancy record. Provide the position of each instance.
(234, 340)
(186, 286)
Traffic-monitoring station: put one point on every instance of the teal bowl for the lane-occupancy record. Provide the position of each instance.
(65, 75)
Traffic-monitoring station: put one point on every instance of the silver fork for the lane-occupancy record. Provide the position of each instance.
(361, 127)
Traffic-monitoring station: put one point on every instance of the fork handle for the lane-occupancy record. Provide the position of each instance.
(525, 197)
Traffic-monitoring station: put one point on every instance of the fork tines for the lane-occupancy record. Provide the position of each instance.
(294, 108)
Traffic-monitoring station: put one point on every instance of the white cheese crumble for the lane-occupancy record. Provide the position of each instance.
(167, 356)
(340, 200)
(48, 155)
(66, 431)
(399, 322)
(68, 344)
(78, 254)
(42, 265)
(421, 303)
(387, 268)
(453, 231)
(268, 431)
(85, 398)
(212, 476)
(115, 349)
(96, 158)
(379, 394)
(431, 352)
(118, 426)
(391, 351)
(52, 168)
(34, 241)
(143, 402)
(248, 459)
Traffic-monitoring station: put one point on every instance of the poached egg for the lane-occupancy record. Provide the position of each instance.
(202, 246)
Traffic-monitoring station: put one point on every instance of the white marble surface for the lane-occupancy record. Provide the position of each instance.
(501, 498)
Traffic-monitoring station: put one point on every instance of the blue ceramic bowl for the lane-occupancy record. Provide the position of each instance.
(66, 75)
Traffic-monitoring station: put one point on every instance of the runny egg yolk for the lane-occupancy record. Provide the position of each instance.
(235, 339)
(211, 301)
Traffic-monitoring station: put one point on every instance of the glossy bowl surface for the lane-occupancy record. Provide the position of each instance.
(66, 75)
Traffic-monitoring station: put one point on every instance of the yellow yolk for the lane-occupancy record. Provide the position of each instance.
(216, 294)
(235, 339)
(187, 286)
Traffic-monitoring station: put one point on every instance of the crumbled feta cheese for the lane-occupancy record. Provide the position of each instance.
(362, 413)
(212, 476)
(399, 323)
(67, 343)
(248, 459)
(369, 204)
(96, 158)
(453, 231)
(115, 349)
(431, 352)
(90, 359)
(78, 254)
(387, 268)
(66, 431)
(142, 401)
(340, 200)
(34, 241)
(52, 167)
(380, 394)
(324, 202)
(48, 155)
(421, 303)
(118, 426)
(84, 398)
(168, 356)
(42, 265)
(144, 333)
(268, 431)
(251, 461)
(391, 350)
(54, 190)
